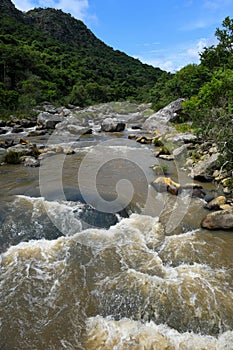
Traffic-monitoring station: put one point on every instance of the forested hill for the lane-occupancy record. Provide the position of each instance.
(46, 54)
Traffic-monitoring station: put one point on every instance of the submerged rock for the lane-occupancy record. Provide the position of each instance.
(194, 190)
(221, 219)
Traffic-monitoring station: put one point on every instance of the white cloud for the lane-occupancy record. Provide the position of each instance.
(78, 8)
(176, 57)
(194, 51)
(24, 5)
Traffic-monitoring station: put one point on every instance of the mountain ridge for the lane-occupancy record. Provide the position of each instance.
(49, 55)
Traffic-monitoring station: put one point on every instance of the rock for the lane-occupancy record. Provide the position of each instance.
(144, 139)
(78, 130)
(189, 162)
(71, 125)
(222, 220)
(203, 169)
(13, 122)
(30, 161)
(3, 131)
(59, 149)
(136, 127)
(112, 125)
(68, 151)
(227, 182)
(163, 116)
(165, 184)
(64, 111)
(181, 151)
(27, 123)
(184, 137)
(20, 150)
(162, 151)
(17, 129)
(227, 190)
(24, 142)
(36, 133)
(215, 203)
(213, 150)
(7, 143)
(195, 191)
(226, 206)
(168, 157)
(2, 123)
(48, 107)
(48, 120)
(132, 136)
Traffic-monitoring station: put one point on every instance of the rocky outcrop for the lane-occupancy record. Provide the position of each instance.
(219, 220)
(160, 119)
(112, 125)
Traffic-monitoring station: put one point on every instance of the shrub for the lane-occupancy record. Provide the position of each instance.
(12, 157)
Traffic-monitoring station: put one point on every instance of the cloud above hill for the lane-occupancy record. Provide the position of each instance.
(78, 8)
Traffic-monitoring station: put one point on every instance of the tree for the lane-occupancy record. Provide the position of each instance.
(220, 55)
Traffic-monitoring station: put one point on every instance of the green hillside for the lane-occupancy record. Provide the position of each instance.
(46, 54)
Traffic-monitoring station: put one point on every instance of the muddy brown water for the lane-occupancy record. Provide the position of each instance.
(87, 264)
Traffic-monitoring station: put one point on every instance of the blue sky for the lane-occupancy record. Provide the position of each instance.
(164, 33)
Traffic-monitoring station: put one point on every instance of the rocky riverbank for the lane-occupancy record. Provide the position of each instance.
(25, 141)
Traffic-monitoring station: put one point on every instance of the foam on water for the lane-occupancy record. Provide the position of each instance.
(107, 334)
(113, 289)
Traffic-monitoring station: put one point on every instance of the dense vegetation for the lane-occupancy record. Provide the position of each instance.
(46, 54)
(208, 90)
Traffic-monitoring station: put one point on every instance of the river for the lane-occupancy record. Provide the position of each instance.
(92, 257)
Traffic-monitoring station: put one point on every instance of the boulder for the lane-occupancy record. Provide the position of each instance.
(165, 184)
(17, 129)
(202, 171)
(216, 203)
(219, 220)
(27, 123)
(2, 123)
(181, 151)
(71, 125)
(184, 137)
(112, 125)
(49, 120)
(3, 131)
(163, 116)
